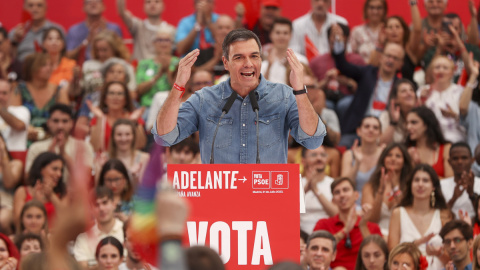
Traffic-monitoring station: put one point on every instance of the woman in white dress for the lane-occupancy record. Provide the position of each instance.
(420, 216)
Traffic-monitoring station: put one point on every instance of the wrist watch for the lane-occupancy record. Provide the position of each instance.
(300, 92)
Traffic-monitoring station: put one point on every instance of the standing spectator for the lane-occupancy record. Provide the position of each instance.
(143, 32)
(274, 68)
(426, 143)
(313, 27)
(81, 34)
(59, 125)
(196, 31)
(210, 59)
(318, 197)
(364, 38)
(29, 35)
(54, 45)
(420, 216)
(461, 190)
(457, 236)
(348, 227)
(14, 120)
(10, 67)
(37, 94)
(321, 250)
(106, 224)
(156, 74)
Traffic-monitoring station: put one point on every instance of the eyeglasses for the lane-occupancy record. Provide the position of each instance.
(117, 94)
(113, 180)
(455, 240)
(392, 56)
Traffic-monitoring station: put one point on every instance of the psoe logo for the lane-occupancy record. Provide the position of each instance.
(280, 180)
(261, 180)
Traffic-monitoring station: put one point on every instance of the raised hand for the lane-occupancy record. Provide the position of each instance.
(394, 111)
(95, 109)
(356, 152)
(136, 114)
(296, 75)
(185, 67)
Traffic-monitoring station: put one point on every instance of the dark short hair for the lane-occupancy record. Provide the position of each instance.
(340, 180)
(462, 226)
(62, 108)
(460, 145)
(117, 165)
(345, 29)
(19, 239)
(112, 241)
(283, 20)
(101, 192)
(236, 35)
(304, 235)
(42, 161)
(203, 258)
(4, 32)
(322, 234)
(286, 266)
(188, 143)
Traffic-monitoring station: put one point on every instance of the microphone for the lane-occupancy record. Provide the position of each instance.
(225, 110)
(254, 103)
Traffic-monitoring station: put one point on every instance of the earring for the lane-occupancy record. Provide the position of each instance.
(432, 199)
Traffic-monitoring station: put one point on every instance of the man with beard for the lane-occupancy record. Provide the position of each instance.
(60, 124)
(133, 259)
(318, 197)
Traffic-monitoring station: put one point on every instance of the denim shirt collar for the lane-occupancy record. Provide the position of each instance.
(227, 89)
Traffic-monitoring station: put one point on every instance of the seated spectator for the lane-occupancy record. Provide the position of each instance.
(10, 67)
(44, 183)
(407, 256)
(33, 219)
(457, 236)
(359, 162)
(383, 190)
(143, 31)
(109, 253)
(202, 257)
(420, 216)
(37, 94)
(80, 35)
(184, 152)
(475, 252)
(269, 11)
(115, 103)
(59, 125)
(53, 43)
(27, 36)
(274, 67)
(312, 27)
(373, 254)
(364, 38)
(210, 59)
(9, 256)
(460, 191)
(156, 74)
(114, 176)
(347, 227)
(195, 31)
(106, 224)
(338, 88)
(29, 243)
(401, 101)
(122, 147)
(133, 260)
(450, 44)
(200, 78)
(443, 96)
(426, 143)
(374, 84)
(321, 250)
(397, 31)
(318, 198)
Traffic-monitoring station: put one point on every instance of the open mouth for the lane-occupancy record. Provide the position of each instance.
(248, 74)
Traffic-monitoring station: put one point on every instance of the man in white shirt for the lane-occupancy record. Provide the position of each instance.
(318, 196)
(105, 225)
(14, 120)
(313, 26)
(461, 190)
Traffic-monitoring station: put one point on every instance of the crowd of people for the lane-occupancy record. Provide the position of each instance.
(395, 185)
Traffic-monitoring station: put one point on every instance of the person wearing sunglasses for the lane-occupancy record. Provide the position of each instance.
(348, 227)
(457, 236)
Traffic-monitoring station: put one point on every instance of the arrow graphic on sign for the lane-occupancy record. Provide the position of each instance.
(243, 179)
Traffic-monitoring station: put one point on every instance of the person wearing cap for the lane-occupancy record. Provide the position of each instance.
(269, 11)
(313, 27)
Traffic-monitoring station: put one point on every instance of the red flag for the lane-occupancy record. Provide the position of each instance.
(310, 49)
(38, 48)
(25, 17)
(462, 80)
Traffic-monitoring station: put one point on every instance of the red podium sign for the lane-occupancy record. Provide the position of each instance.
(248, 213)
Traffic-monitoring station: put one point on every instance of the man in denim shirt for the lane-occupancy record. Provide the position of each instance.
(281, 110)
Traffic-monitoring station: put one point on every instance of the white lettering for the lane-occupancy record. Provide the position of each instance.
(261, 247)
(176, 184)
(242, 227)
(192, 233)
(223, 228)
(184, 181)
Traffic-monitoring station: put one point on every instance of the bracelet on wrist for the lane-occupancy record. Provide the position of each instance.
(179, 88)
